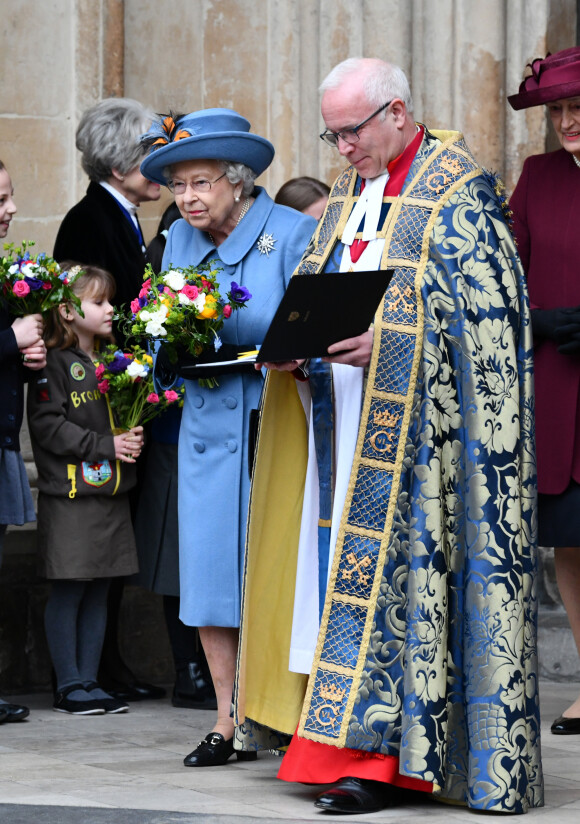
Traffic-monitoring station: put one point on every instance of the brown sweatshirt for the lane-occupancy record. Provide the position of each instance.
(70, 428)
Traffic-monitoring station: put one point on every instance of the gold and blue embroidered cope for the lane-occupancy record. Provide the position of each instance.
(427, 647)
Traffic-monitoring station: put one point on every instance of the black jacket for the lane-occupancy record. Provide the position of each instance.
(11, 380)
(96, 231)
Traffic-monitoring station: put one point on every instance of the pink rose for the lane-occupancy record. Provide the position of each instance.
(145, 288)
(21, 289)
(171, 396)
(135, 305)
(227, 310)
(167, 290)
(103, 387)
(190, 291)
(99, 371)
(153, 398)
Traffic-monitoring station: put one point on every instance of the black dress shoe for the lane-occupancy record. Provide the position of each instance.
(13, 712)
(566, 726)
(356, 795)
(192, 688)
(214, 751)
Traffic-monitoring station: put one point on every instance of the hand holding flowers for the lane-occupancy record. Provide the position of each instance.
(128, 445)
(126, 378)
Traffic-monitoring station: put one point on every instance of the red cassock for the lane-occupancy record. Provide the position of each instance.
(546, 210)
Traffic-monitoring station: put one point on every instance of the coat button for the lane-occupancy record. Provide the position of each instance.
(199, 446)
(197, 401)
(230, 402)
(11, 418)
(232, 445)
(7, 439)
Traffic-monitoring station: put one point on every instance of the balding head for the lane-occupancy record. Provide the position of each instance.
(379, 80)
(364, 106)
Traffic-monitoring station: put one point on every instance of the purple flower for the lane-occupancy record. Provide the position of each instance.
(34, 283)
(160, 287)
(142, 302)
(239, 294)
(118, 364)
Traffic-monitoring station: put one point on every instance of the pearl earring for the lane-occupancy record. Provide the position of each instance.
(237, 199)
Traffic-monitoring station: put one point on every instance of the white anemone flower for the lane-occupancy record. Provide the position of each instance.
(199, 302)
(137, 370)
(174, 279)
(154, 321)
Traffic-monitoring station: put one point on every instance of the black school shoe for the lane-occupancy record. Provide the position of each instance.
(357, 795)
(111, 705)
(64, 704)
(214, 751)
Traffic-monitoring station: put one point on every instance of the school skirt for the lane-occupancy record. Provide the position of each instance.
(85, 537)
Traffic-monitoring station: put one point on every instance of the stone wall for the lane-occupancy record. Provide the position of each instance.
(265, 58)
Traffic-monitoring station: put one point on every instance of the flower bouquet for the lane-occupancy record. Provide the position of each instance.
(126, 378)
(31, 284)
(183, 308)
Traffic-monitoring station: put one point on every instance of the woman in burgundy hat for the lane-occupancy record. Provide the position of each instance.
(546, 205)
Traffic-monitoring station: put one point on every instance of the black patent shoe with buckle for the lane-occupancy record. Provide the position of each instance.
(356, 795)
(214, 751)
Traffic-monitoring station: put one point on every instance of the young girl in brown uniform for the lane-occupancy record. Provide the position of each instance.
(84, 473)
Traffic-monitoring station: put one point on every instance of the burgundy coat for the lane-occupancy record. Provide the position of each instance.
(546, 208)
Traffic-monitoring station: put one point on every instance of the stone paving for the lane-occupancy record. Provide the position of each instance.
(127, 769)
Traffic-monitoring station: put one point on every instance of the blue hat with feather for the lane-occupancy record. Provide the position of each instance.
(210, 134)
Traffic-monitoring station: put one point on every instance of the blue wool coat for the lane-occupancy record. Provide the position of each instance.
(213, 440)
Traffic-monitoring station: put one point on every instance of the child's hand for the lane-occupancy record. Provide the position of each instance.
(28, 330)
(34, 357)
(129, 444)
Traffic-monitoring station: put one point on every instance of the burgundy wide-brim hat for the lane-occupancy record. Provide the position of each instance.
(555, 77)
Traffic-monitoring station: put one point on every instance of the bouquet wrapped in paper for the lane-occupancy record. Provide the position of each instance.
(30, 284)
(183, 308)
(126, 378)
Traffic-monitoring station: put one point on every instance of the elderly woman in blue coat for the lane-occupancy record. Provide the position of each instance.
(209, 160)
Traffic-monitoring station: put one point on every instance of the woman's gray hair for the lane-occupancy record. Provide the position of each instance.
(108, 136)
(381, 81)
(240, 173)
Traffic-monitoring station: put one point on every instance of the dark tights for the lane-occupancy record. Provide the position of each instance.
(74, 620)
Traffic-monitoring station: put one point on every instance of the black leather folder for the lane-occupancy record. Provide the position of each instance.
(319, 310)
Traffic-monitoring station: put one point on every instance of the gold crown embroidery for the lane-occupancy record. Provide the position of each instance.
(385, 418)
(438, 180)
(332, 693)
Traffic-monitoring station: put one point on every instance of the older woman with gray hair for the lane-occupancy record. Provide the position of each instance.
(209, 160)
(103, 228)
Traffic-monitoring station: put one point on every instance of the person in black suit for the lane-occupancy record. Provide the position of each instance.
(103, 230)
